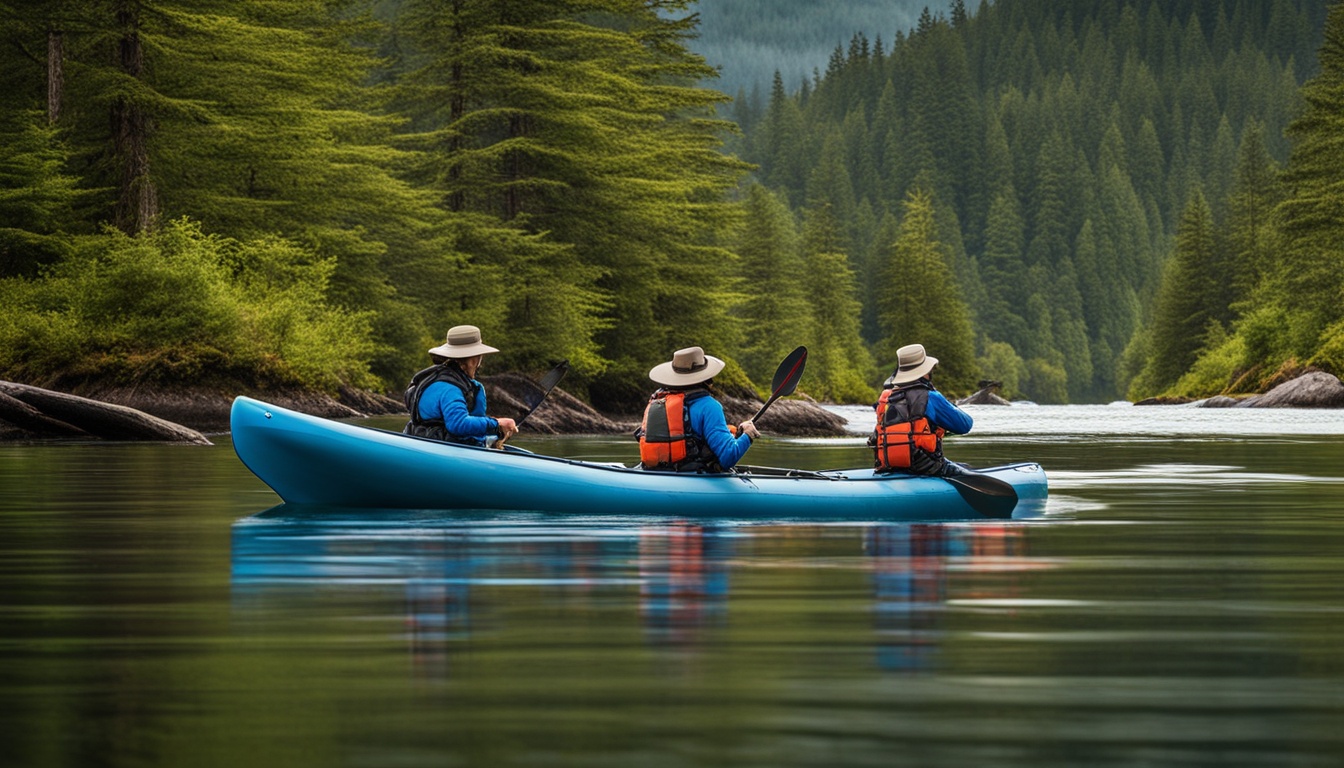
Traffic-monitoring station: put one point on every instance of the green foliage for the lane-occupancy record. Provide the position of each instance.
(1220, 365)
(777, 312)
(921, 303)
(181, 306)
(37, 197)
(1060, 143)
(839, 366)
(1186, 304)
(1001, 363)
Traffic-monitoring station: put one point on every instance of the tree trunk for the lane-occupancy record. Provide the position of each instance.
(137, 200)
(457, 108)
(57, 413)
(55, 74)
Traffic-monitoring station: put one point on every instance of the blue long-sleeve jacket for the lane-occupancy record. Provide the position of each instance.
(707, 421)
(942, 413)
(446, 401)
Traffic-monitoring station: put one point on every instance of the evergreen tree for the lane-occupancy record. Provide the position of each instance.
(776, 316)
(1312, 215)
(835, 349)
(1185, 304)
(920, 303)
(37, 198)
(1255, 192)
(581, 120)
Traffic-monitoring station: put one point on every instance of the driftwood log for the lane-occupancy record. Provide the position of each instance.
(55, 414)
(988, 394)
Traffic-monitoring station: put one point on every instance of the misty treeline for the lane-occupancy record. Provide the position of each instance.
(1067, 152)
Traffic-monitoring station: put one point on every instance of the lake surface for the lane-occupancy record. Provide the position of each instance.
(1179, 603)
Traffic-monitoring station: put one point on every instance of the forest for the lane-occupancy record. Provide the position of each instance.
(1082, 197)
(1083, 201)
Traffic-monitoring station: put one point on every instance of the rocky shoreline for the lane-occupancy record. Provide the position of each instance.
(189, 415)
(1312, 389)
(29, 413)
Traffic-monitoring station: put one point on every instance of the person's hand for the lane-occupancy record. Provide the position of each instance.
(750, 428)
(507, 428)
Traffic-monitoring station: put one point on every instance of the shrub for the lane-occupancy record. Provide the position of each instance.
(180, 306)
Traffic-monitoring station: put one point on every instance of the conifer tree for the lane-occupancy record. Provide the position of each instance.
(1185, 304)
(835, 349)
(1312, 215)
(1255, 192)
(581, 120)
(776, 315)
(920, 303)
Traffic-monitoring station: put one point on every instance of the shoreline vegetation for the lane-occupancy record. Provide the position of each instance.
(187, 416)
(1084, 202)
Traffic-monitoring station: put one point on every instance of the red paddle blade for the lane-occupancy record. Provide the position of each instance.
(788, 373)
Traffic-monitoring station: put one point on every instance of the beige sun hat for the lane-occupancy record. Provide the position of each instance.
(689, 366)
(463, 341)
(912, 364)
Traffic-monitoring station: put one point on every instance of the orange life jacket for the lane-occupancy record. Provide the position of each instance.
(665, 437)
(905, 439)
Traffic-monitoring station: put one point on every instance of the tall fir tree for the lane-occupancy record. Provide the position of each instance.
(1186, 302)
(776, 314)
(920, 302)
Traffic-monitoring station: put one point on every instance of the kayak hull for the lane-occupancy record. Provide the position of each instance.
(309, 460)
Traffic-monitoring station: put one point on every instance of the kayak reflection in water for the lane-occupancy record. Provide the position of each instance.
(683, 588)
(910, 582)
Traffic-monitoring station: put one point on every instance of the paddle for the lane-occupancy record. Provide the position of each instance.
(786, 378)
(544, 388)
(987, 495)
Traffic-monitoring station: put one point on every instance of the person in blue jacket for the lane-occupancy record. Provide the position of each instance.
(684, 428)
(446, 402)
(912, 418)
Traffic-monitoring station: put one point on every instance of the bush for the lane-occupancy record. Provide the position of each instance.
(178, 306)
(1214, 372)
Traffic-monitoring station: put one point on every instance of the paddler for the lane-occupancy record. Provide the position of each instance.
(446, 402)
(912, 418)
(684, 429)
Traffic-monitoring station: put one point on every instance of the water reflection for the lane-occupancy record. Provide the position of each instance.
(443, 570)
(683, 591)
(446, 580)
(911, 563)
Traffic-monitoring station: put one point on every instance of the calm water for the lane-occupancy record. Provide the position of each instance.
(1181, 602)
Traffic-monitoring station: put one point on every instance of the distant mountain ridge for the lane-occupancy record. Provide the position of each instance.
(749, 39)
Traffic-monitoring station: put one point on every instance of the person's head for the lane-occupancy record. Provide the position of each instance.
(912, 364)
(463, 346)
(688, 367)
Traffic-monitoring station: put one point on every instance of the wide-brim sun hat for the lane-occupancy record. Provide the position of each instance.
(463, 341)
(688, 366)
(912, 364)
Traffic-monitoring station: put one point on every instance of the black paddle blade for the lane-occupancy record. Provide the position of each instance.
(786, 378)
(987, 495)
(546, 384)
(788, 373)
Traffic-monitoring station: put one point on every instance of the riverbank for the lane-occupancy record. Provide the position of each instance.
(34, 413)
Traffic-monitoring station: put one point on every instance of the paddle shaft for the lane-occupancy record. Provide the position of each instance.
(553, 377)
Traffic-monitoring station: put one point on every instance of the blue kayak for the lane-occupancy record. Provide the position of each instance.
(309, 460)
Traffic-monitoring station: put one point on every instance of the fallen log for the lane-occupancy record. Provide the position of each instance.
(28, 418)
(88, 417)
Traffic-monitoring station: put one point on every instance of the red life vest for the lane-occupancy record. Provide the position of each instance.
(665, 437)
(905, 439)
(664, 431)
